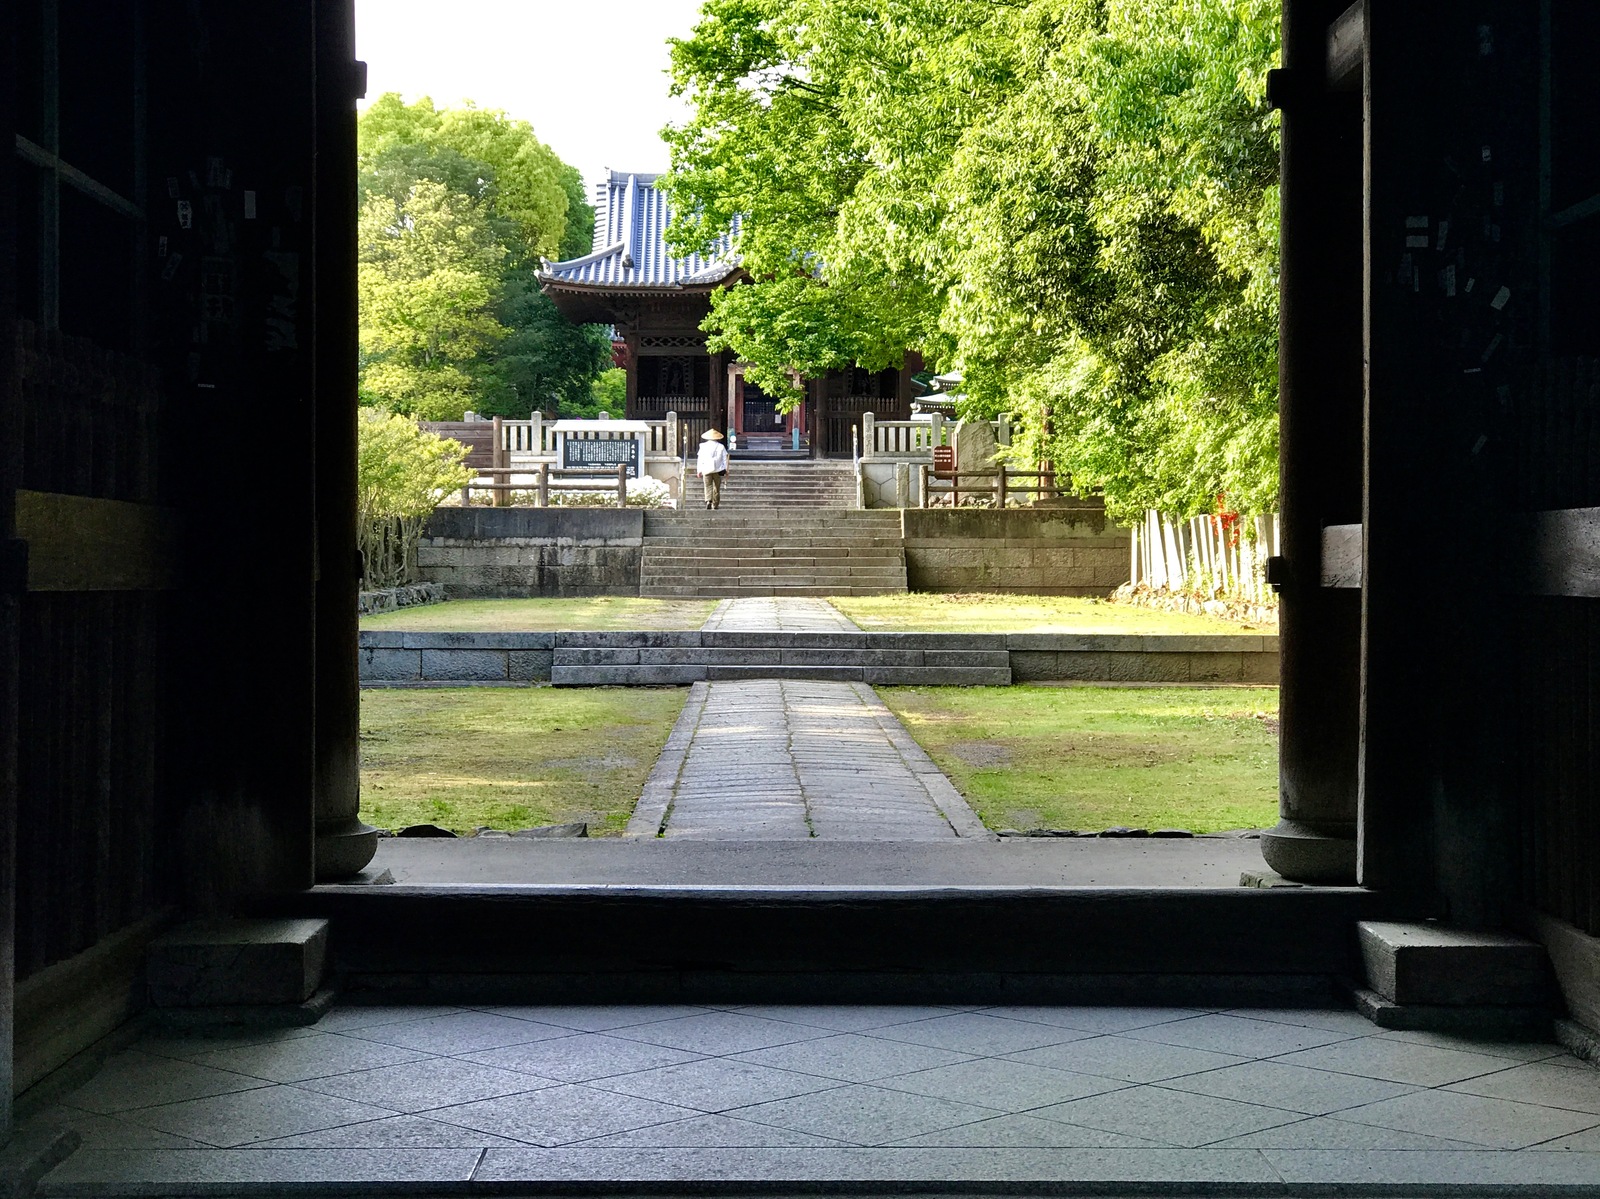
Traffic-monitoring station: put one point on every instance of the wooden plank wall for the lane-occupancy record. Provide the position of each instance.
(476, 435)
(89, 837)
(1556, 704)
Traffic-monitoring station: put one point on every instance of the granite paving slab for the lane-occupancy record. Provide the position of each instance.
(706, 1097)
(793, 760)
(788, 614)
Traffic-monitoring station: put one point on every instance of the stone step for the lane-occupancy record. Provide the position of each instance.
(838, 556)
(866, 943)
(698, 515)
(713, 568)
(764, 590)
(781, 583)
(772, 538)
(680, 675)
(781, 655)
(839, 568)
(747, 584)
(693, 549)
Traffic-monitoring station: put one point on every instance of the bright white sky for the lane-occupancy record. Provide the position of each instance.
(588, 75)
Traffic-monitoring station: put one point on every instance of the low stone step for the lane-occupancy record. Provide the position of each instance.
(680, 675)
(763, 656)
(699, 516)
(837, 554)
(755, 543)
(760, 592)
(733, 564)
(752, 570)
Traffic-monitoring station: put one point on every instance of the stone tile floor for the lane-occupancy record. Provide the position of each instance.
(796, 760)
(1279, 1101)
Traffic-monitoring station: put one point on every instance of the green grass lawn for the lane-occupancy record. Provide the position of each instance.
(510, 758)
(1090, 758)
(598, 612)
(981, 613)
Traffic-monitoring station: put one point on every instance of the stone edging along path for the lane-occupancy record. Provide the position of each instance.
(417, 659)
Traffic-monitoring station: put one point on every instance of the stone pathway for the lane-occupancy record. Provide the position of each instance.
(787, 614)
(795, 760)
(1064, 1100)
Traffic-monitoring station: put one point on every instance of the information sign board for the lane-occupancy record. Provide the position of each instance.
(602, 453)
(944, 460)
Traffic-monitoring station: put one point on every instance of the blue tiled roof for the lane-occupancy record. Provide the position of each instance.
(630, 248)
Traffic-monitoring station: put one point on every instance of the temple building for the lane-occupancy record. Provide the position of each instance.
(656, 302)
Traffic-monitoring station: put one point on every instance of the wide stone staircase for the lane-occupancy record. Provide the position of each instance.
(785, 550)
(754, 485)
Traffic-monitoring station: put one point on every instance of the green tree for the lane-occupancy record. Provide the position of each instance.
(503, 347)
(1072, 201)
(429, 283)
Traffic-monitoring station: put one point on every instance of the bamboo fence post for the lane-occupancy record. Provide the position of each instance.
(1133, 556)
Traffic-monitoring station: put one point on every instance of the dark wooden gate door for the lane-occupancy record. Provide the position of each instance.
(761, 413)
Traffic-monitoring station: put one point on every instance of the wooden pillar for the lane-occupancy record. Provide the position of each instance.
(13, 562)
(1320, 388)
(344, 845)
(630, 406)
(717, 417)
(1452, 151)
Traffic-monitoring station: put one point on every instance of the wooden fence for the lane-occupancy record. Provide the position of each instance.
(545, 479)
(993, 487)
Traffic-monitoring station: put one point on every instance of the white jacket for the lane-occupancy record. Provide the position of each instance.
(712, 458)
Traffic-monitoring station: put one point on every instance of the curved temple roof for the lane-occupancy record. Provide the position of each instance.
(630, 249)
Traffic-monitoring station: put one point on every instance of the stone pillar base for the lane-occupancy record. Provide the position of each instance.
(1312, 853)
(344, 848)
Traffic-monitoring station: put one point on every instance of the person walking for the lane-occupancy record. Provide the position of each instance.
(712, 465)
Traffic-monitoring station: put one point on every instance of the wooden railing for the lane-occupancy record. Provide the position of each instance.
(545, 480)
(916, 439)
(994, 485)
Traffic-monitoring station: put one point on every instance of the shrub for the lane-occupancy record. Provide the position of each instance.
(642, 493)
(402, 474)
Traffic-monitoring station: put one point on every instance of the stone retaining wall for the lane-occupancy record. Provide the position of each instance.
(479, 553)
(1126, 658)
(1067, 550)
(437, 659)
(399, 658)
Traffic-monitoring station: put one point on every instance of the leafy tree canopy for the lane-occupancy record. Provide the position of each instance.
(1071, 201)
(458, 207)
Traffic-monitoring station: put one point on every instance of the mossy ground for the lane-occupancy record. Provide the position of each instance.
(984, 613)
(1090, 758)
(510, 758)
(597, 612)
